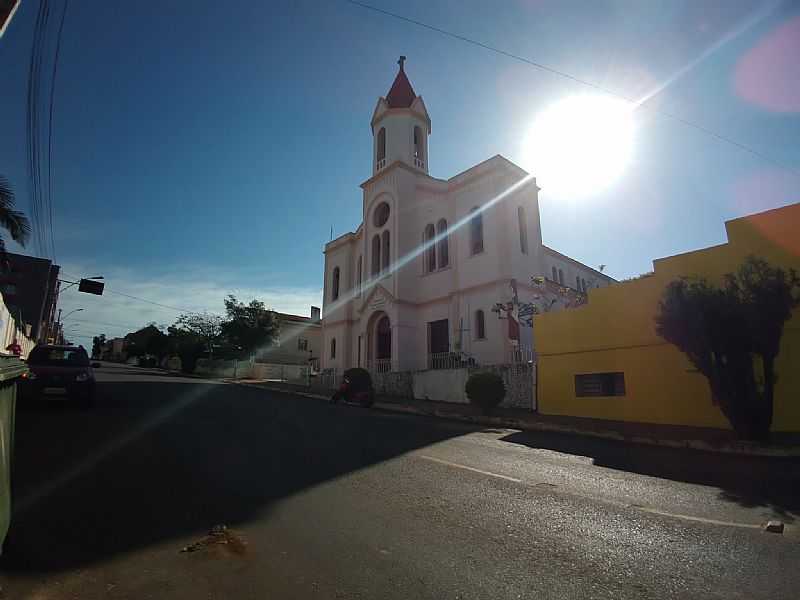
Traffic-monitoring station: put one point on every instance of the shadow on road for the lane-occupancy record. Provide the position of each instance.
(746, 480)
(160, 460)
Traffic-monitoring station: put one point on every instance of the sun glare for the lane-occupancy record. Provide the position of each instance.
(580, 144)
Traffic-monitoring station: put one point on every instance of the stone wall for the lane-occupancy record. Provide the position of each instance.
(292, 373)
(520, 381)
(398, 384)
(447, 385)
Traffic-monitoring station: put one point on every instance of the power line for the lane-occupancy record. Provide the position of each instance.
(186, 310)
(565, 75)
(50, 127)
(140, 299)
(32, 104)
(93, 322)
(132, 297)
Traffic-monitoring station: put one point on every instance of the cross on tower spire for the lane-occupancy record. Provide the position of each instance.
(401, 94)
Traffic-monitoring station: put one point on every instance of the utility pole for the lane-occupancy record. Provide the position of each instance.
(59, 325)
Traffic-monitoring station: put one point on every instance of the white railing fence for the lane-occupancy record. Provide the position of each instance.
(330, 378)
(450, 360)
(522, 354)
(380, 365)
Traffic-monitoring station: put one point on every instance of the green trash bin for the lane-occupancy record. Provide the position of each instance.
(11, 369)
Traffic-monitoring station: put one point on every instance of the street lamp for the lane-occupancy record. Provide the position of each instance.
(59, 327)
(68, 314)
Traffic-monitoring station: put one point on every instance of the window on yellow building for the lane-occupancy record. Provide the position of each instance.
(599, 384)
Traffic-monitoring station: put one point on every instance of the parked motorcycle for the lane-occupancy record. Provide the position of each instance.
(356, 388)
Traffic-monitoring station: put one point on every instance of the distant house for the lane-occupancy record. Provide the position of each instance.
(114, 349)
(299, 342)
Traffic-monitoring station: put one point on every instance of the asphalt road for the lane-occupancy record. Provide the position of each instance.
(343, 502)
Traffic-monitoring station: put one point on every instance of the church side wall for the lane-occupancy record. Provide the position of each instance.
(571, 271)
(492, 348)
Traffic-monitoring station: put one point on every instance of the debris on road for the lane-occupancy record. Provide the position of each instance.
(219, 535)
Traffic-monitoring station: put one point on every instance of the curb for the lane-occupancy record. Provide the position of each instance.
(741, 448)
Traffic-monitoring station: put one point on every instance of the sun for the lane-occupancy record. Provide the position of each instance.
(580, 145)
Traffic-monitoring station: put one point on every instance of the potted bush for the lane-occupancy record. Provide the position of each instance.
(485, 390)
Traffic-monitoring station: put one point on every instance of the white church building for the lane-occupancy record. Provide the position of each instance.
(415, 285)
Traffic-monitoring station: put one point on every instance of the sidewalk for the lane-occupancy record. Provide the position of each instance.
(674, 436)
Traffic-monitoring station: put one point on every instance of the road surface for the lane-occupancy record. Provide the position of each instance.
(341, 502)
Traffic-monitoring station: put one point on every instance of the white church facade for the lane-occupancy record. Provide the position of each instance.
(419, 278)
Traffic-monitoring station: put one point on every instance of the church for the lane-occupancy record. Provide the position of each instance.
(419, 284)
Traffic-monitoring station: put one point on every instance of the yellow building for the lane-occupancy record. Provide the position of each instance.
(605, 360)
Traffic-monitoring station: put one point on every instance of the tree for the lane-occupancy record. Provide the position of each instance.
(158, 345)
(148, 340)
(207, 328)
(249, 326)
(98, 342)
(549, 297)
(187, 345)
(12, 220)
(732, 334)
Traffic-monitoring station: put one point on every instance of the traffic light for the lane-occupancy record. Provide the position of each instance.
(91, 287)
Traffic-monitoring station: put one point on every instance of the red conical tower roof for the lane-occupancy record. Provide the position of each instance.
(401, 94)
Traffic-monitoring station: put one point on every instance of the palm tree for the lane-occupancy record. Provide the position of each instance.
(12, 220)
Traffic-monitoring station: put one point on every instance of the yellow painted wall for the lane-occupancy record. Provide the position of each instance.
(615, 331)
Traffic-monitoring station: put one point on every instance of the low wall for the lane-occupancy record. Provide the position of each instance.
(444, 385)
(214, 368)
(399, 384)
(447, 385)
(293, 373)
(241, 369)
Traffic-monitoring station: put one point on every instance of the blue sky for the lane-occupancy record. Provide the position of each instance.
(207, 147)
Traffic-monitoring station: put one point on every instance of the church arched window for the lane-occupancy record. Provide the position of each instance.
(429, 256)
(385, 251)
(335, 284)
(376, 255)
(419, 158)
(381, 149)
(480, 325)
(443, 243)
(476, 231)
(359, 271)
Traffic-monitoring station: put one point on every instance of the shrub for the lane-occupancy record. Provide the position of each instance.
(359, 378)
(485, 390)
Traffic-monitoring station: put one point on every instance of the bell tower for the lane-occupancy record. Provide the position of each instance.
(400, 126)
